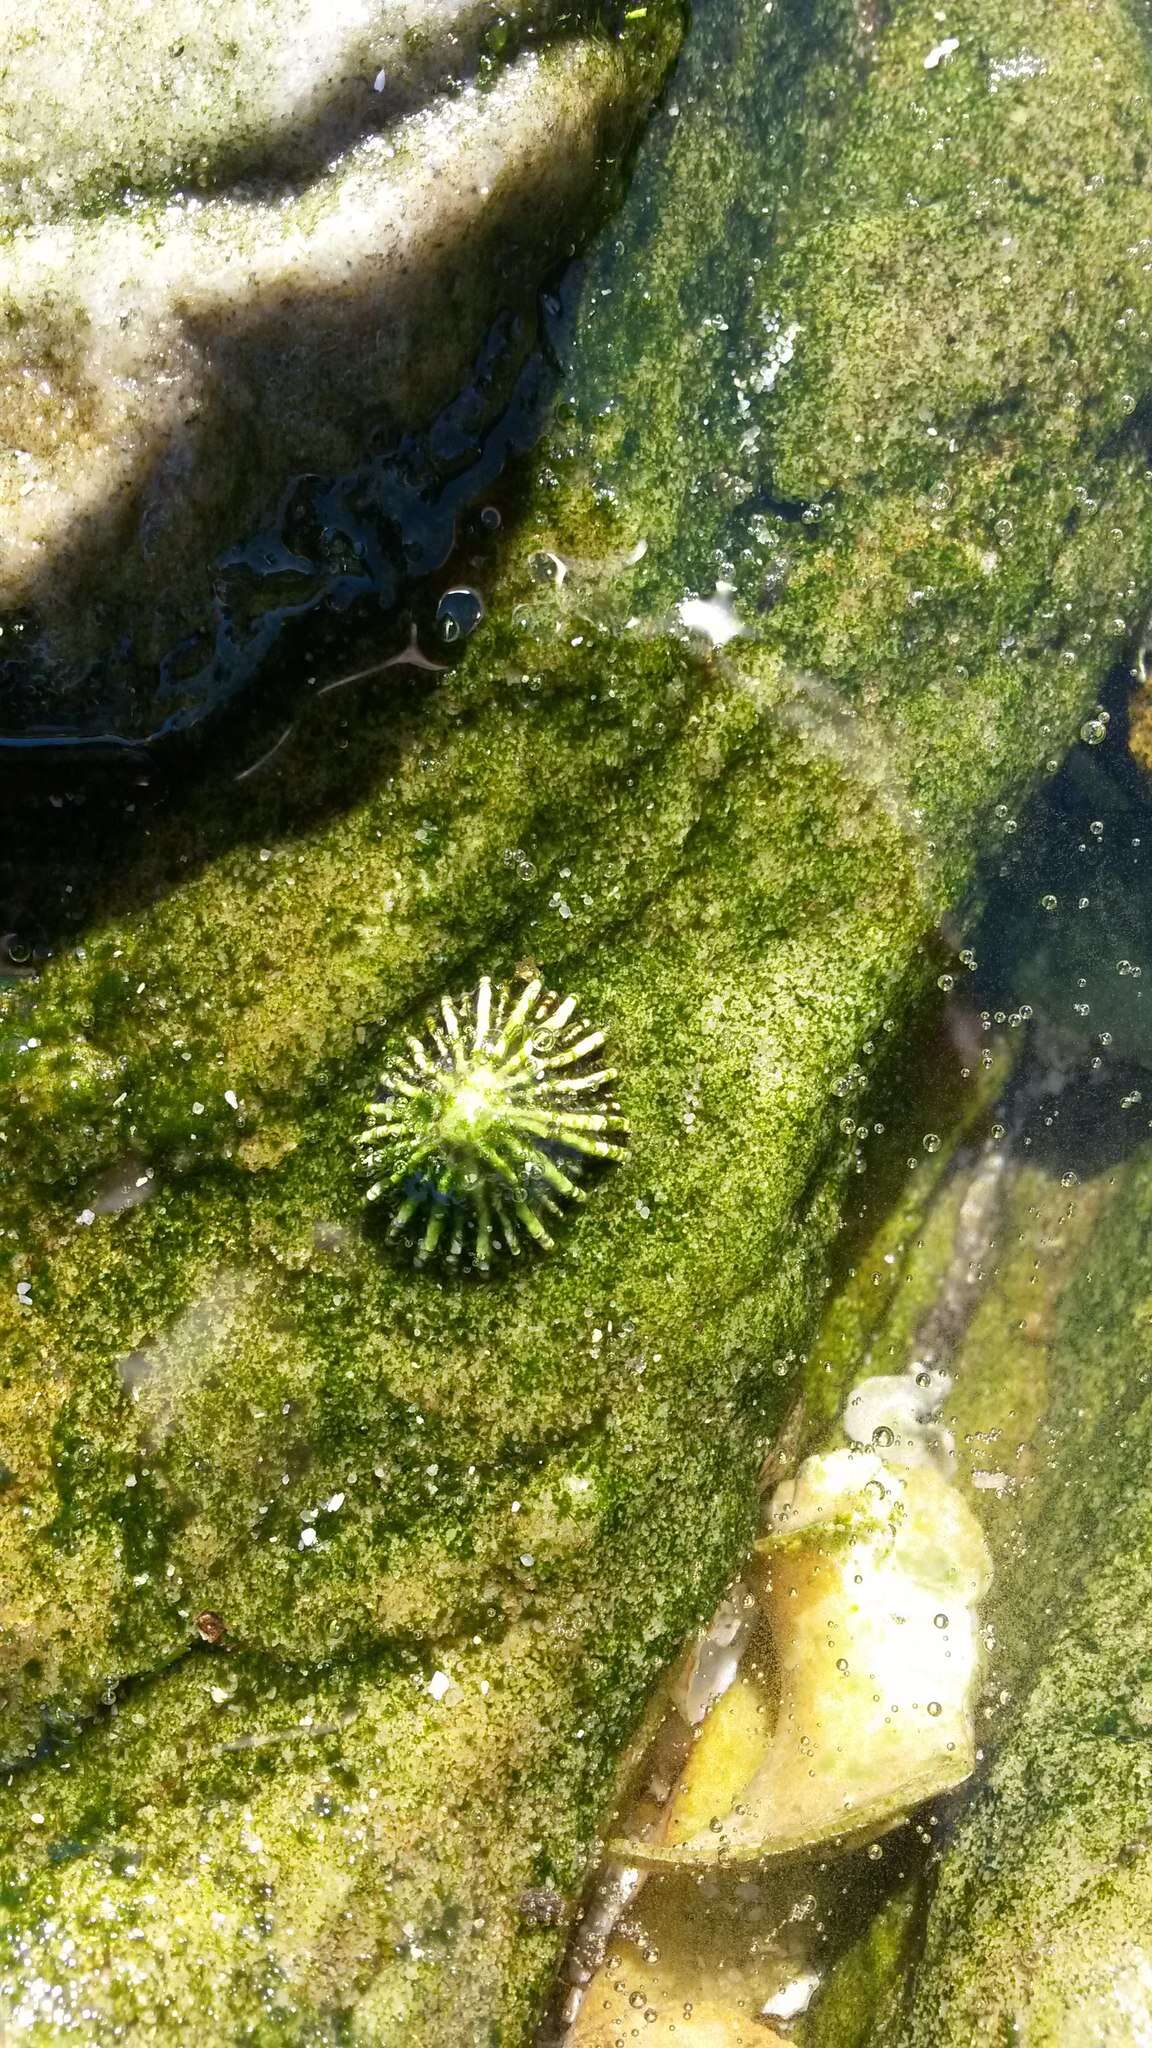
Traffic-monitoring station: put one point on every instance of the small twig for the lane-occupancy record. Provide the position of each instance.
(276, 1735)
(412, 656)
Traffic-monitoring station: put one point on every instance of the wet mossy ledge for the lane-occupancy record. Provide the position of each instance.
(331, 1587)
(1029, 1919)
(1037, 1919)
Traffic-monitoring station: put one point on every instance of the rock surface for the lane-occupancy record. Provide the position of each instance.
(1031, 1920)
(245, 249)
(1038, 1924)
(1027, 1917)
(861, 345)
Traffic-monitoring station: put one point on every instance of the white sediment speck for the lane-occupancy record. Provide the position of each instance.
(438, 1684)
(86, 1216)
(714, 617)
(1024, 65)
(308, 1538)
(991, 1482)
(792, 1999)
(940, 52)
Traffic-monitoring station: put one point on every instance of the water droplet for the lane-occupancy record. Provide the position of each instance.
(458, 613)
(935, 1709)
(882, 1436)
(1047, 903)
(941, 1620)
(1093, 731)
(931, 1141)
(946, 982)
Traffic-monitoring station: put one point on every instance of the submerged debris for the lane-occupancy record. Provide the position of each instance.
(832, 1693)
(869, 1579)
(654, 1998)
(484, 1128)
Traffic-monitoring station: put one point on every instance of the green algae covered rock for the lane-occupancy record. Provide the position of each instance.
(331, 1588)
(1019, 1908)
(1036, 1930)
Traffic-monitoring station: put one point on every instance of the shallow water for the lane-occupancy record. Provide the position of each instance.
(984, 1167)
(666, 1562)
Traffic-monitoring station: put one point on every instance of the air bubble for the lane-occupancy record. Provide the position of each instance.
(458, 614)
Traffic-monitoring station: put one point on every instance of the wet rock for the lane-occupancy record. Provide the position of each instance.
(454, 1527)
(665, 1999)
(1028, 1915)
(246, 253)
(870, 1579)
(1039, 1912)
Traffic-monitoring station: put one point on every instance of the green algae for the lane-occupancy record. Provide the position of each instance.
(1036, 1918)
(1025, 1922)
(862, 1997)
(540, 1483)
(900, 1215)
